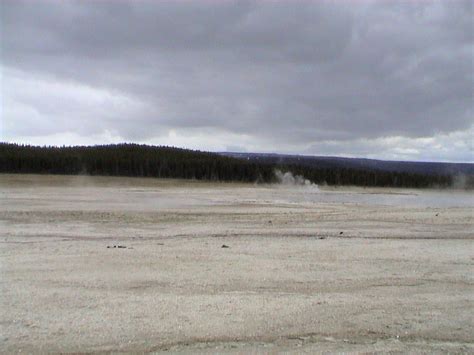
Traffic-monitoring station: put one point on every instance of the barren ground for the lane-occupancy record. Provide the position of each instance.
(304, 271)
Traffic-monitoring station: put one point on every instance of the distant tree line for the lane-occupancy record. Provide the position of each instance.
(370, 178)
(129, 160)
(169, 162)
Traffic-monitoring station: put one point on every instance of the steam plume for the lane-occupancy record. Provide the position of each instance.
(289, 179)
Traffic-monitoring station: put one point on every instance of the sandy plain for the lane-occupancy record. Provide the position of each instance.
(305, 270)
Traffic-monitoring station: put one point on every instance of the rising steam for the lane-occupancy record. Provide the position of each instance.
(289, 179)
(463, 182)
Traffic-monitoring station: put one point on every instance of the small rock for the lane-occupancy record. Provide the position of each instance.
(224, 246)
(341, 233)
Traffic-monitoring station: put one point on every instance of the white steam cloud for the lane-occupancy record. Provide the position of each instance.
(289, 179)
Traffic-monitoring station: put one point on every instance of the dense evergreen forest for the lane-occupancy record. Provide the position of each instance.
(129, 160)
(169, 162)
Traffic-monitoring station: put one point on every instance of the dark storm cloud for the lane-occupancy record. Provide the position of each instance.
(303, 72)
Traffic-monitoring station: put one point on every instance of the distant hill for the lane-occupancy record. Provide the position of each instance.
(429, 168)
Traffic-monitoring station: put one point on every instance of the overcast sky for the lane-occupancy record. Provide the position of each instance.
(378, 79)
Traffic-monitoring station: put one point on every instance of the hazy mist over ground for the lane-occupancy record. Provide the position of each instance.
(386, 79)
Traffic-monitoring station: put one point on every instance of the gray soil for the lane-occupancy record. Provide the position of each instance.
(117, 264)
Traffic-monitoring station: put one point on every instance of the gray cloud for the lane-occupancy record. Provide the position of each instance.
(288, 76)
